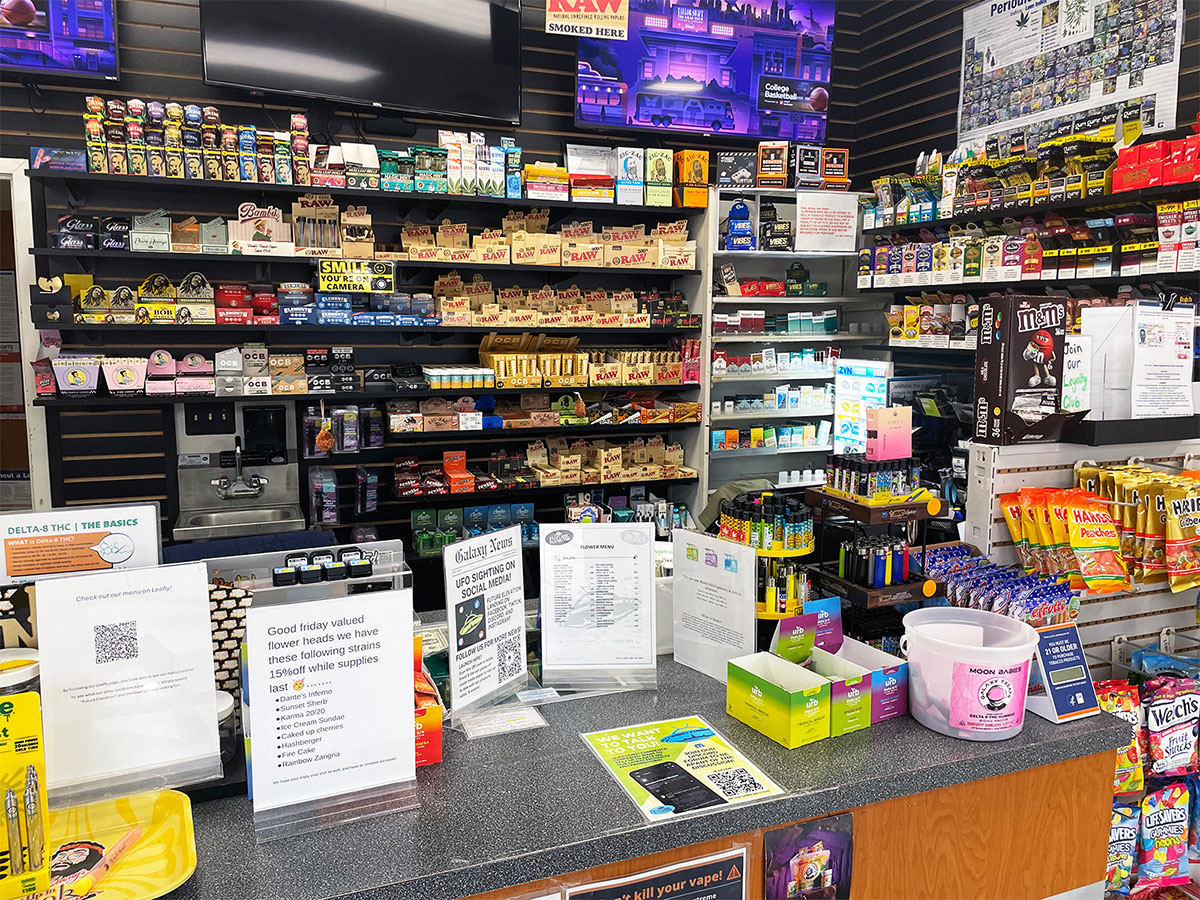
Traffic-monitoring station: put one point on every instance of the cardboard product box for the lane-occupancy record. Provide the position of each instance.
(889, 678)
(778, 698)
(737, 168)
(691, 178)
(631, 183)
(889, 432)
(773, 163)
(658, 173)
(849, 692)
(1018, 369)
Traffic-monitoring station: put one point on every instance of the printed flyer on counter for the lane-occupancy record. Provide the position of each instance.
(485, 609)
(678, 766)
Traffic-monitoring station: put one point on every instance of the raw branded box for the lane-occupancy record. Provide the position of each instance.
(1019, 369)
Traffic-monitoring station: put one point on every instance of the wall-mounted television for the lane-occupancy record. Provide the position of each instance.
(60, 38)
(759, 68)
(449, 59)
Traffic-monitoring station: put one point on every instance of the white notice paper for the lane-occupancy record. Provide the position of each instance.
(485, 608)
(128, 699)
(1162, 360)
(332, 684)
(598, 604)
(714, 602)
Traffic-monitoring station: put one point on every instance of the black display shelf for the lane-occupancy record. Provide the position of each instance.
(370, 330)
(1126, 198)
(910, 591)
(298, 190)
(1102, 432)
(1034, 287)
(356, 397)
(310, 260)
(475, 497)
(866, 514)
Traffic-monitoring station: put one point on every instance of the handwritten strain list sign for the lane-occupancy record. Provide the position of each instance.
(331, 686)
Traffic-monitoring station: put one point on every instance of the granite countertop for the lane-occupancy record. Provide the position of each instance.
(508, 809)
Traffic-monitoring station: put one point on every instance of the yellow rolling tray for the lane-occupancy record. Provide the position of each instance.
(163, 858)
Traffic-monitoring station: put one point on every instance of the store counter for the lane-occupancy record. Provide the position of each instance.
(933, 816)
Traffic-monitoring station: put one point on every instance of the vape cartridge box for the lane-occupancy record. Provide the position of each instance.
(784, 701)
(23, 770)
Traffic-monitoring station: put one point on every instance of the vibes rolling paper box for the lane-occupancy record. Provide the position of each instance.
(787, 703)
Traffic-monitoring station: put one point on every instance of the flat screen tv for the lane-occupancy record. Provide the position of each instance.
(759, 68)
(450, 59)
(60, 38)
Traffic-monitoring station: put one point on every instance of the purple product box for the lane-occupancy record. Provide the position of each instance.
(58, 159)
(889, 678)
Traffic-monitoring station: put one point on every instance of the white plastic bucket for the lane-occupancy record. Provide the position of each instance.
(968, 671)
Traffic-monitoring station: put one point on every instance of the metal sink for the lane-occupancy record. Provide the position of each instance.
(201, 524)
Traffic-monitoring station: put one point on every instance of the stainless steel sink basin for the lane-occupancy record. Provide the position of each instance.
(200, 524)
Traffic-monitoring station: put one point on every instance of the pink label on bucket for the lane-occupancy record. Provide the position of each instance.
(988, 698)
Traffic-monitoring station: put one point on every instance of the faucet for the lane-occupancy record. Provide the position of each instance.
(240, 488)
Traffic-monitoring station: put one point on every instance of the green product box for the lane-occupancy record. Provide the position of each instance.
(849, 692)
(784, 701)
(659, 174)
(450, 520)
(424, 520)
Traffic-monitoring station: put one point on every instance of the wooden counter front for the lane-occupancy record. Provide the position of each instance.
(1028, 834)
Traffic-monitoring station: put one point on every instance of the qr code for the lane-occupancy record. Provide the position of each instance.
(512, 663)
(735, 782)
(116, 641)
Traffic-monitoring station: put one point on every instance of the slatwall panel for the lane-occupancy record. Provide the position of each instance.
(993, 471)
(160, 59)
(908, 57)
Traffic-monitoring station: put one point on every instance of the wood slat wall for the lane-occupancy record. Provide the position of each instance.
(905, 64)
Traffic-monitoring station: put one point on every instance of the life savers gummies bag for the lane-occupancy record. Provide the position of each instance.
(1096, 545)
(1121, 699)
(1172, 708)
(1162, 840)
(1183, 536)
(1122, 839)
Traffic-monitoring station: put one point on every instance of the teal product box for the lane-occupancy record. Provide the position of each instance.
(499, 516)
(780, 699)
(889, 678)
(475, 519)
(512, 171)
(849, 692)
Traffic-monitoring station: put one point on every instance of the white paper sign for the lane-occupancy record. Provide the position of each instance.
(826, 220)
(127, 679)
(714, 602)
(597, 601)
(485, 608)
(82, 539)
(332, 686)
(1077, 373)
(1162, 361)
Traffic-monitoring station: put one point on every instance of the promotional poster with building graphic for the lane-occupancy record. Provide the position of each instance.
(755, 67)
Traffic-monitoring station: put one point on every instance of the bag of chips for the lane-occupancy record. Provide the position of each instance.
(1182, 509)
(1122, 838)
(1162, 840)
(1033, 534)
(1172, 708)
(1010, 505)
(1095, 544)
(1152, 532)
(1121, 699)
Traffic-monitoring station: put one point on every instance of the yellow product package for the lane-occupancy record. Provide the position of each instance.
(1127, 489)
(1152, 533)
(23, 790)
(1087, 477)
(1010, 506)
(1068, 564)
(1038, 551)
(1183, 536)
(1096, 545)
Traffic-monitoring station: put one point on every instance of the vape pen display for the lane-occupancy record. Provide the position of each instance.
(874, 481)
(767, 522)
(782, 587)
